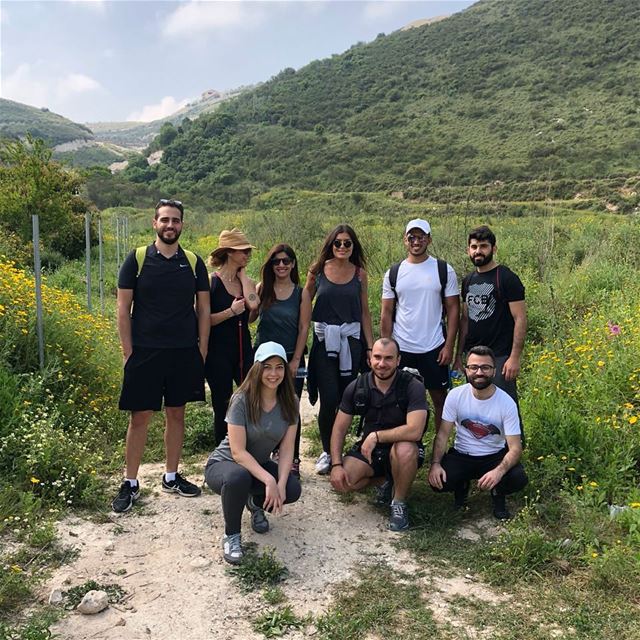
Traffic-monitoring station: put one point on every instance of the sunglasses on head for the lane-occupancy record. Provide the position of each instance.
(169, 203)
(285, 261)
(347, 244)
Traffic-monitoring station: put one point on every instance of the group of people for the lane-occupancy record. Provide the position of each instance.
(180, 325)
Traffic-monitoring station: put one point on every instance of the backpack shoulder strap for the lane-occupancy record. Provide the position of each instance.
(361, 400)
(192, 259)
(141, 254)
(402, 389)
(393, 277)
(498, 287)
(443, 276)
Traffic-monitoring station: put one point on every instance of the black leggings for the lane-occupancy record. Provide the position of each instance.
(222, 370)
(331, 385)
(234, 484)
(461, 467)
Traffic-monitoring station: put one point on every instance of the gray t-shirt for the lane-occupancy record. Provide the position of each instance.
(261, 438)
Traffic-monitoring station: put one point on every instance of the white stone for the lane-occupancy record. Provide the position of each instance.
(200, 563)
(110, 545)
(56, 597)
(93, 602)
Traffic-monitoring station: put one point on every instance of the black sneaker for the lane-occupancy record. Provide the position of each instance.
(499, 503)
(460, 495)
(126, 497)
(259, 522)
(399, 518)
(383, 494)
(181, 486)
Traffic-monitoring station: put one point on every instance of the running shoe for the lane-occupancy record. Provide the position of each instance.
(399, 517)
(259, 522)
(126, 497)
(232, 548)
(323, 463)
(181, 486)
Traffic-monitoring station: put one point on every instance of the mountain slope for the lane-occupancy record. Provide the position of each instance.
(17, 119)
(508, 89)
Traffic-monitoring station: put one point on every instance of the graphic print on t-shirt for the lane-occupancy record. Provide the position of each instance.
(481, 303)
(479, 429)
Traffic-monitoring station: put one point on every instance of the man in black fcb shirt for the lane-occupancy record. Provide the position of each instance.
(164, 339)
(494, 312)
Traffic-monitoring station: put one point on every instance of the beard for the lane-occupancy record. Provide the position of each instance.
(380, 377)
(482, 260)
(168, 240)
(481, 383)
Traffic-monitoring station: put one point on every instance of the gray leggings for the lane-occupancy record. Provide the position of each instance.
(234, 484)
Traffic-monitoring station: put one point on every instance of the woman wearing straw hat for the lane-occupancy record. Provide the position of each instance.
(262, 415)
(233, 296)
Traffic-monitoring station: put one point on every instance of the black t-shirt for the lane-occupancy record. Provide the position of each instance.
(487, 296)
(384, 412)
(163, 315)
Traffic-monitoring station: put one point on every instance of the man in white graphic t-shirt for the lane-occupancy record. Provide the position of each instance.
(417, 294)
(487, 445)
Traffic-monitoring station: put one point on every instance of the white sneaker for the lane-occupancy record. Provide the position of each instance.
(232, 548)
(323, 463)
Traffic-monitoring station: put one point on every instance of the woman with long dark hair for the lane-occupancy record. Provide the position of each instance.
(262, 415)
(284, 316)
(233, 296)
(342, 326)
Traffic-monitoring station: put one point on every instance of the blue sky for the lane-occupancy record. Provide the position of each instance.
(99, 60)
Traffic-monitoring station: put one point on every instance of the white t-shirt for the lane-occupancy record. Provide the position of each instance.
(418, 326)
(481, 425)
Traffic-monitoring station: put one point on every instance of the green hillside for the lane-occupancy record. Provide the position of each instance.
(17, 120)
(506, 90)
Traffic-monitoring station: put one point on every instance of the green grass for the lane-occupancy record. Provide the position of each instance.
(258, 569)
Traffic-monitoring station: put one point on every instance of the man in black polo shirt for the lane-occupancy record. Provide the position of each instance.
(164, 343)
(391, 445)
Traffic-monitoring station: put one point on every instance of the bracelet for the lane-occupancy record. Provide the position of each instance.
(435, 462)
(337, 464)
(232, 313)
(377, 437)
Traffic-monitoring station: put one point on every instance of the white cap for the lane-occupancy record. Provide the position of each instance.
(418, 223)
(268, 350)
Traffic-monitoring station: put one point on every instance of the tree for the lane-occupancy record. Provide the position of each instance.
(31, 183)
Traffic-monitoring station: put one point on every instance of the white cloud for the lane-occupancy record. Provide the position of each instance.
(379, 10)
(23, 86)
(77, 83)
(164, 108)
(95, 5)
(200, 17)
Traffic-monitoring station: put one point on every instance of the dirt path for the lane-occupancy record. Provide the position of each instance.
(166, 554)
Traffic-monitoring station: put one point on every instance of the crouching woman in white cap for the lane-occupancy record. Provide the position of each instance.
(262, 414)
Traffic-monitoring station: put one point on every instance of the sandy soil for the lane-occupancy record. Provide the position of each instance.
(166, 553)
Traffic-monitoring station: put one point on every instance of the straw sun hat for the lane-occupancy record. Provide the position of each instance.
(233, 239)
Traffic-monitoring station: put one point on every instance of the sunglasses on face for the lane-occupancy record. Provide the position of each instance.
(347, 244)
(413, 238)
(485, 368)
(285, 261)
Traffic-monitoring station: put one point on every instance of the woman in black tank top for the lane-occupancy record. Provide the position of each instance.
(233, 296)
(338, 281)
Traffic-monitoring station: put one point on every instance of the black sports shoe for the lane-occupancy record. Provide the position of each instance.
(259, 522)
(126, 497)
(181, 486)
(460, 495)
(399, 517)
(499, 503)
(383, 494)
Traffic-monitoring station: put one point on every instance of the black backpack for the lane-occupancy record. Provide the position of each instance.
(362, 393)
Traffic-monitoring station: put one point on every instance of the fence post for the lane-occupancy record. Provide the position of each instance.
(87, 254)
(101, 264)
(37, 269)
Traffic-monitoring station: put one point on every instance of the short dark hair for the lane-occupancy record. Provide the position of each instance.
(482, 233)
(386, 341)
(176, 204)
(481, 350)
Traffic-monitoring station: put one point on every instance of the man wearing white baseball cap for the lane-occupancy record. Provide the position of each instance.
(417, 295)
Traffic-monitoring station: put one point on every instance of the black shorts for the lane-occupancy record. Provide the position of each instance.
(151, 375)
(435, 376)
(380, 462)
